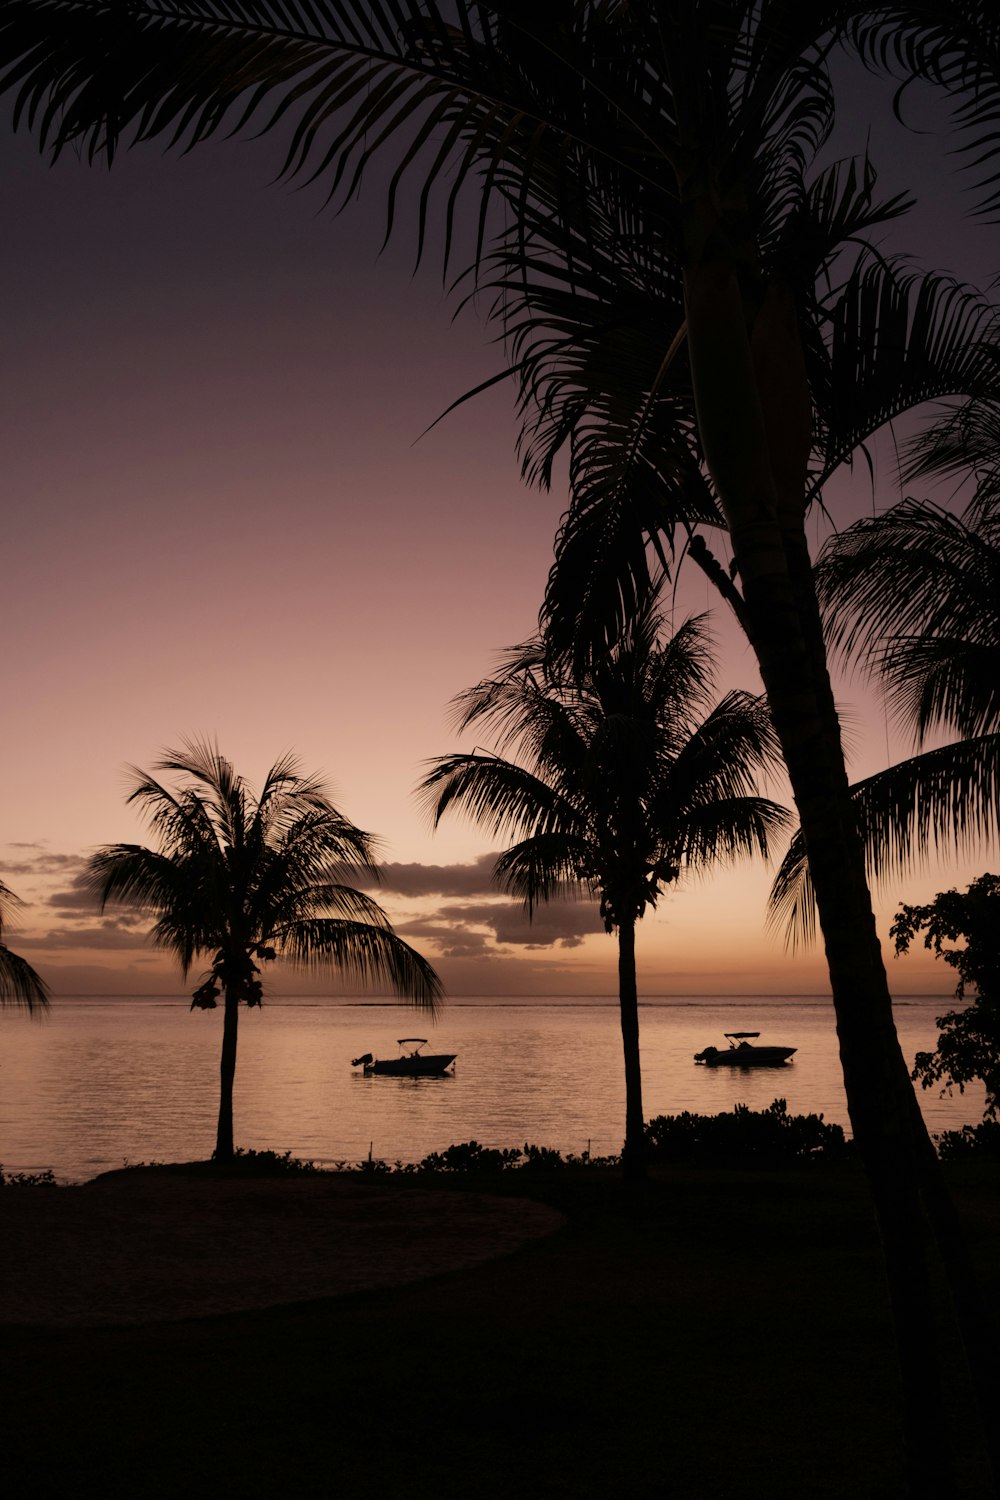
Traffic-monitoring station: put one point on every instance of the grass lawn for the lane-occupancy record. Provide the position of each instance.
(718, 1334)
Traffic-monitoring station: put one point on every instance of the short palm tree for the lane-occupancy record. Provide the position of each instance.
(626, 778)
(245, 877)
(19, 984)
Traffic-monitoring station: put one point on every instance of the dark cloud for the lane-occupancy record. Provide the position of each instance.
(456, 930)
(113, 932)
(43, 862)
(451, 940)
(76, 898)
(440, 880)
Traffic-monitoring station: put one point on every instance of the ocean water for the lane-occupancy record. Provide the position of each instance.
(101, 1082)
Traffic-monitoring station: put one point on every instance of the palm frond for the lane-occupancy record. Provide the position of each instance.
(955, 47)
(944, 800)
(734, 828)
(20, 985)
(546, 867)
(791, 902)
(187, 895)
(306, 902)
(495, 793)
(897, 340)
(917, 592)
(365, 953)
(963, 443)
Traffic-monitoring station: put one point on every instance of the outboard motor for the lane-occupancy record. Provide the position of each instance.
(359, 1062)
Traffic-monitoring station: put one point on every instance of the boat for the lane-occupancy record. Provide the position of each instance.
(412, 1064)
(741, 1053)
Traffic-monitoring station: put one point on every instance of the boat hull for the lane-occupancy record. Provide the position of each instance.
(432, 1065)
(745, 1057)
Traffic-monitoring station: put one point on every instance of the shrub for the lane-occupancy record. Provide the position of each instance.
(767, 1138)
(28, 1179)
(266, 1163)
(981, 1141)
(470, 1156)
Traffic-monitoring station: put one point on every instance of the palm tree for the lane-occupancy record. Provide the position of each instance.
(244, 876)
(625, 780)
(19, 984)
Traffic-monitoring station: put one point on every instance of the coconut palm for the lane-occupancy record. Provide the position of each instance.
(244, 877)
(19, 984)
(624, 780)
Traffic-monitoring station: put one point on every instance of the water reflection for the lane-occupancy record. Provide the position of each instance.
(102, 1082)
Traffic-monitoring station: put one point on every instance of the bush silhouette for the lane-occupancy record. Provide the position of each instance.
(745, 1137)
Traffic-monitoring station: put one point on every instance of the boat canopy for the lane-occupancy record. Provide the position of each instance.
(421, 1041)
(738, 1035)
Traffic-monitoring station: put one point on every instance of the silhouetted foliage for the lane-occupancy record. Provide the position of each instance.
(626, 776)
(44, 1179)
(470, 1156)
(968, 1048)
(914, 595)
(244, 877)
(972, 1141)
(745, 1138)
(265, 1163)
(19, 984)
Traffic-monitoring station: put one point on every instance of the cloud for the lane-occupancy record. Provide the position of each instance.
(457, 930)
(451, 940)
(113, 932)
(43, 862)
(78, 897)
(440, 880)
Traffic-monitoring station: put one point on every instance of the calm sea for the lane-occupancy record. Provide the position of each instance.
(102, 1082)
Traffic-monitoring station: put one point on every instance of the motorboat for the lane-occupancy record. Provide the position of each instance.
(741, 1053)
(414, 1063)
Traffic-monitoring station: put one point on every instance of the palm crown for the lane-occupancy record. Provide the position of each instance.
(631, 778)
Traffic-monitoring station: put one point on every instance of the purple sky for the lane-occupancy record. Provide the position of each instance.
(221, 519)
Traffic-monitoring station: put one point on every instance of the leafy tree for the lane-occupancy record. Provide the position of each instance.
(626, 779)
(19, 984)
(968, 1048)
(245, 877)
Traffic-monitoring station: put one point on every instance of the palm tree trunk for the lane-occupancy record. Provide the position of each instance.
(224, 1150)
(790, 654)
(634, 1154)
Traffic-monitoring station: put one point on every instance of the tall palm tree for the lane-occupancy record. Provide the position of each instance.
(666, 154)
(625, 779)
(243, 876)
(19, 984)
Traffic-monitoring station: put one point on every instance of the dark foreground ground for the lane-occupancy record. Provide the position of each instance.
(718, 1335)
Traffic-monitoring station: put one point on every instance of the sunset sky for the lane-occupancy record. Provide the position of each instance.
(224, 517)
